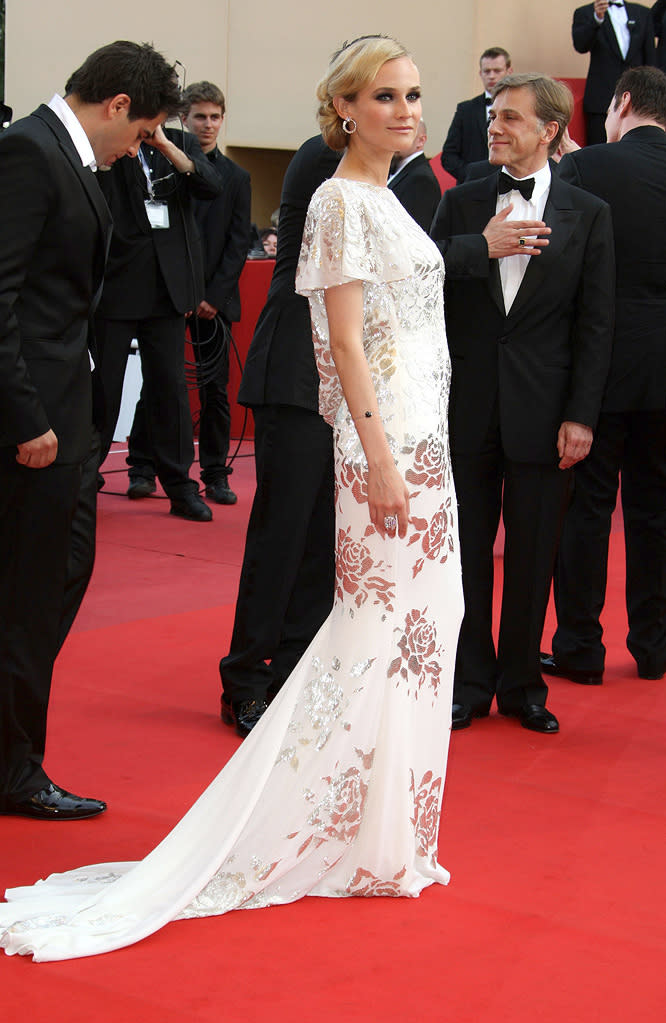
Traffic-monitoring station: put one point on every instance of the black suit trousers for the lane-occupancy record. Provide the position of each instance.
(288, 573)
(82, 540)
(210, 344)
(36, 511)
(211, 351)
(169, 421)
(532, 500)
(630, 446)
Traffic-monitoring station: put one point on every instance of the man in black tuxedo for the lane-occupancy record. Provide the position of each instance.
(414, 183)
(288, 574)
(55, 229)
(224, 225)
(154, 277)
(630, 439)
(617, 36)
(529, 308)
(467, 139)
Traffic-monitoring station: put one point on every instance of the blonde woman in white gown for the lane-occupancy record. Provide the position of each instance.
(338, 790)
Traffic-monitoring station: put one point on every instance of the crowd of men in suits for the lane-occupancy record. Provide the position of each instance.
(558, 376)
(522, 414)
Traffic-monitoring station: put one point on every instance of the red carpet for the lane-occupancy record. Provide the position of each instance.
(555, 911)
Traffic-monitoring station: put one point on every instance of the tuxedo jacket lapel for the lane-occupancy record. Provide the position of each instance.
(486, 208)
(92, 191)
(482, 118)
(561, 218)
(84, 174)
(611, 38)
(634, 33)
(400, 176)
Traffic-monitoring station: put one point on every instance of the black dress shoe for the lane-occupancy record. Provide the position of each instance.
(535, 717)
(650, 671)
(140, 486)
(190, 506)
(220, 492)
(54, 804)
(243, 714)
(584, 676)
(461, 716)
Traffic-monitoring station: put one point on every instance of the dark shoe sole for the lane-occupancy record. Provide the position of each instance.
(584, 678)
(44, 815)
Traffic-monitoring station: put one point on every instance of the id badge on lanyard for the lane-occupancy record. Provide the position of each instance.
(157, 211)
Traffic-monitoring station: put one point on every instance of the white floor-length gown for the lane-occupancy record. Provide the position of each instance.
(338, 790)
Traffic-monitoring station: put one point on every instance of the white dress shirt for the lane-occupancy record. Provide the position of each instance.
(75, 130)
(620, 22)
(512, 268)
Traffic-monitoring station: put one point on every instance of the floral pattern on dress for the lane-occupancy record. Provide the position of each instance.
(428, 465)
(353, 476)
(353, 565)
(419, 660)
(436, 536)
(339, 814)
(426, 813)
(365, 884)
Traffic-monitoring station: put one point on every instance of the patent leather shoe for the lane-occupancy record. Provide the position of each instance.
(243, 714)
(141, 486)
(535, 717)
(220, 492)
(462, 714)
(190, 506)
(584, 676)
(54, 804)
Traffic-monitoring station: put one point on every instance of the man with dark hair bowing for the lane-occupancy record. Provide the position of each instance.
(630, 440)
(224, 226)
(154, 277)
(55, 228)
(529, 309)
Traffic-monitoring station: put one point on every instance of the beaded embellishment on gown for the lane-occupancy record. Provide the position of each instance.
(338, 789)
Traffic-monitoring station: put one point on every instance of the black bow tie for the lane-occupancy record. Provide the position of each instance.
(615, 3)
(489, 100)
(509, 184)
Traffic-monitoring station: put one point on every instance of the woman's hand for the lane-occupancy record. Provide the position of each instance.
(388, 497)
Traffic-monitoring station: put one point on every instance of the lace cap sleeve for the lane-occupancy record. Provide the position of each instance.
(352, 233)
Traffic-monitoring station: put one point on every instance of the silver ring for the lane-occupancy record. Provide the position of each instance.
(521, 241)
(390, 522)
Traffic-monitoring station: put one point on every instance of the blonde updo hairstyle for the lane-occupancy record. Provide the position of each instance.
(351, 69)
